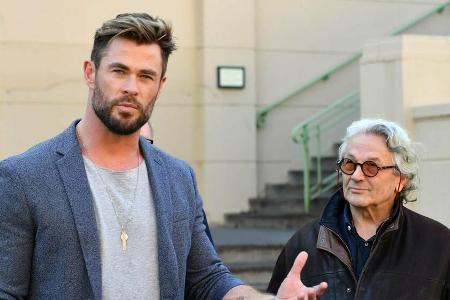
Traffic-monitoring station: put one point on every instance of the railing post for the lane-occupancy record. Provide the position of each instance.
(319, 161)
(306, 179)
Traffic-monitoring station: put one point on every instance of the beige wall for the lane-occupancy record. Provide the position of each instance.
(432, 124)
(42, 90)
(229, 132)
(42, 50)
(405, 79)
(282, 44)
(297, 40)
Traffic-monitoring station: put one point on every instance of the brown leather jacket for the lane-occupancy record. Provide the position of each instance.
(409, 260)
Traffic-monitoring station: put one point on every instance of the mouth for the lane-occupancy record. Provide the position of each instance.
(127, 104)
(357, 190)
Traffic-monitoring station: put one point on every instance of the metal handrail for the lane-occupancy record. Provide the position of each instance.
(261, 116)
(262, 113)
(320, 122)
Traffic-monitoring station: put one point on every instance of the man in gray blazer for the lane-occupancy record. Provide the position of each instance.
(97, 212)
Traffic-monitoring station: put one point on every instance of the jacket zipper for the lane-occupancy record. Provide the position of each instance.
(350, 268)
(376, 246)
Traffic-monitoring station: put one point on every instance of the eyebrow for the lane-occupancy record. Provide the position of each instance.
(125, 67)
(118, 65)
(374, 159)
(149, 72)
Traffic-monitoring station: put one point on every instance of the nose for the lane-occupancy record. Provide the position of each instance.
(358, 174)
(130, 86)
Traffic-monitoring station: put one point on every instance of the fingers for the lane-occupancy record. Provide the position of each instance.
(313, 292)
(299, 263)
(320, 288)
(307, 294)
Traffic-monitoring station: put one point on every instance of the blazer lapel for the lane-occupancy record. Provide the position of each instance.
(73, 174)
(160, 187)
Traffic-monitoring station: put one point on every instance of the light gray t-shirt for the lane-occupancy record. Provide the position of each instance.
(131, 273)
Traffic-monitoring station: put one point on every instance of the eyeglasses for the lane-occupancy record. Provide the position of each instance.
(150, 140)
(369, 168)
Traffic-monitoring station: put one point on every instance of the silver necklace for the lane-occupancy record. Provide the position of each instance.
(123, 225)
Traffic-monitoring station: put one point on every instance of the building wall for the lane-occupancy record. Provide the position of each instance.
(229, 134)
(298, 40)
(405, 79)
(42, 89)
(42, 49)
(282, 44)
(432, 124)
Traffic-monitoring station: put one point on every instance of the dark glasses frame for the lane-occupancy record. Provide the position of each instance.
(367, 163)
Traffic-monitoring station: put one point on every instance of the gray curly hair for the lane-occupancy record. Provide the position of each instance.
(398, 143)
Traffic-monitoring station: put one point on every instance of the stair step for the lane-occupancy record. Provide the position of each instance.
(269, 220)
(245, 238)
(285, 205)
(233, 254)
(250, 253)
(256, 266)
(328, 163)
(286, 190)
(253, 273)
(296, 176)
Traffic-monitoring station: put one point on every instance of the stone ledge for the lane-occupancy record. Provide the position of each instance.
(431, 111)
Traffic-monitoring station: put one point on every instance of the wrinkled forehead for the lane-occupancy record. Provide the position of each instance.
(363, 147)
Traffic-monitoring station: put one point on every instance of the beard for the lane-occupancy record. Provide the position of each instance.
(124, 123)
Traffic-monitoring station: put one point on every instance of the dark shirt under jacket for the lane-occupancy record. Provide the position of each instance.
(359, 248)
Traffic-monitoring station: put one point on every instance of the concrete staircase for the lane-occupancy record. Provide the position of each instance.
(249, 243)
(282, 205)
(250, 253)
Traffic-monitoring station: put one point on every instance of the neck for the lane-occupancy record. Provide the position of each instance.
(368, 219)
(107, 149)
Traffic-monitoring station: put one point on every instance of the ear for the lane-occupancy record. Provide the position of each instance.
(89, 73)
(403, 181)
(161, 85)
(162, 82)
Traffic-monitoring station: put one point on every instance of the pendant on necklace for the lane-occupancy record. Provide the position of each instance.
(124, 238)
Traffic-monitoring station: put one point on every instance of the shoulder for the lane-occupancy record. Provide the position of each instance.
(303, 240)
(162, 157)
(305, 237)
(37, 158)
(173, 169)
(176, 168)
(421, 224)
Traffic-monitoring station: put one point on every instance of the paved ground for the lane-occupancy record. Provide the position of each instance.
(250, 236)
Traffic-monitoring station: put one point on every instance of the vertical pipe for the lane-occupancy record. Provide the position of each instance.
(319, 161)
(306, 181)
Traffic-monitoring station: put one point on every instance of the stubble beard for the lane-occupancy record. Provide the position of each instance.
(124, 124)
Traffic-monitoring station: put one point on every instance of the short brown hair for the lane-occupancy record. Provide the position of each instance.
(138, 27)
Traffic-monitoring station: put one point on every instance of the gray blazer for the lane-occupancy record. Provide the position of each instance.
(49, 244)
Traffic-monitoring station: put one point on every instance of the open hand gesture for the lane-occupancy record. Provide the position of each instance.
(292, 287)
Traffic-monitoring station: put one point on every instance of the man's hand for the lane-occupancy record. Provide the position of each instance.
(293, 288)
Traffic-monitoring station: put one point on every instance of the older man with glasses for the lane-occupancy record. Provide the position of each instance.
(366, 244)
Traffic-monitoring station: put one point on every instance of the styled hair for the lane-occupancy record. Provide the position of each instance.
(138, 27)
(398, 143)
